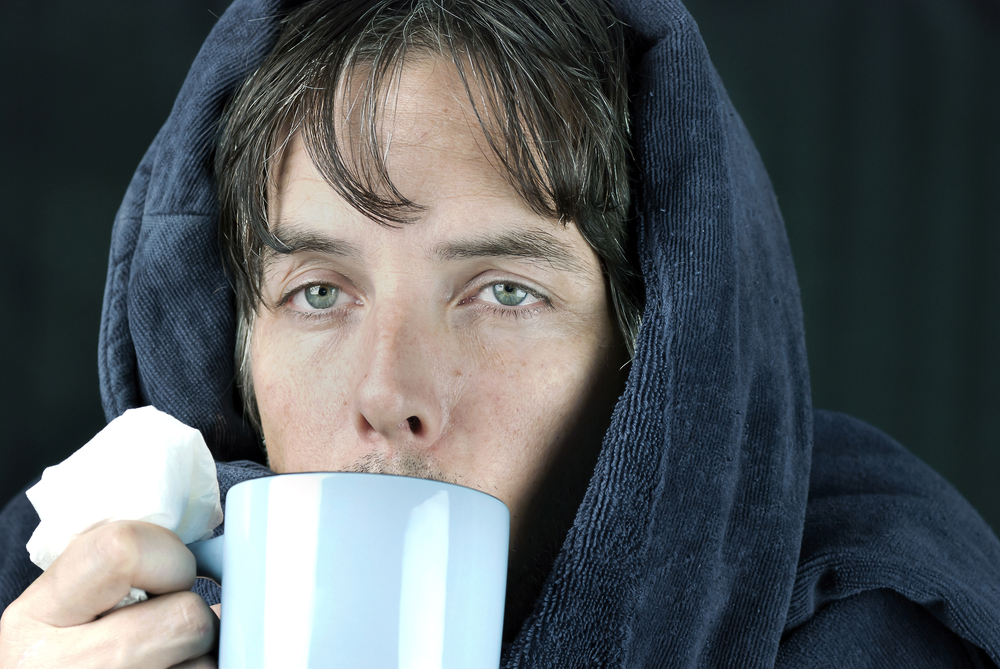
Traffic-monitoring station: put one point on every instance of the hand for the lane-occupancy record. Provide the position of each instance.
(55, 623)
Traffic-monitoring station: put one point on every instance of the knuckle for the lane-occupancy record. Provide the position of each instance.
(9, 618)
(15, 637)
(192, 615)
(117, 546)
(15, 618)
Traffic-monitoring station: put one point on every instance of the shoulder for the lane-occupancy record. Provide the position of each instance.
(877, 628)
(17, 521)
(888, 539)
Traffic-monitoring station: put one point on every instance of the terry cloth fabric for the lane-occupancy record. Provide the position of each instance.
(727, 523)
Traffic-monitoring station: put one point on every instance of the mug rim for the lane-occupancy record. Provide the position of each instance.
(325, 473)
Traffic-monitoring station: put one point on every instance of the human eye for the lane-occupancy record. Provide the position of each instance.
(317, 297)
(508, 297)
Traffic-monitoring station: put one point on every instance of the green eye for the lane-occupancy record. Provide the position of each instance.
(508, 295)
(322, 297)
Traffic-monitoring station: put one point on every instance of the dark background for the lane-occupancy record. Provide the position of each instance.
(879, 122)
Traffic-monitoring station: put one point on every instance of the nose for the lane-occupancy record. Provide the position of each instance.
(398, 398)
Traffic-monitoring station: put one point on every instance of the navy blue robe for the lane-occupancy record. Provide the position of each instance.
(727, 522)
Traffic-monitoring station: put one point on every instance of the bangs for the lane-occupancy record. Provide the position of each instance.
(549, 137)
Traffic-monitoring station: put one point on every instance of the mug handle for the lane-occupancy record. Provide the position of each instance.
(208, 557)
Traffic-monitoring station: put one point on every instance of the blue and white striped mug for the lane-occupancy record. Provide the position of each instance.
(339, 569)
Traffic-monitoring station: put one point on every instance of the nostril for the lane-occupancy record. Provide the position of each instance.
(414, 424)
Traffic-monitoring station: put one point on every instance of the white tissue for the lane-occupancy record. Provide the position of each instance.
(145, 465)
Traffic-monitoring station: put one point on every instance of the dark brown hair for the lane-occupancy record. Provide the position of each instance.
(546, 79)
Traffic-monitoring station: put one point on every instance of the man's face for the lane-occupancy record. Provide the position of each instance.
(474, 345)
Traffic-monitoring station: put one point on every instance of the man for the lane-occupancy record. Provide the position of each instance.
(427, 245)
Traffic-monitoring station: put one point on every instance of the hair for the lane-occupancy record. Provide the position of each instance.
(546, 80)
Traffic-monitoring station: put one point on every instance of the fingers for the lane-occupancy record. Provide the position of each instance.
(203, 662)
(54, 622)
(97, 570)
(162, 632)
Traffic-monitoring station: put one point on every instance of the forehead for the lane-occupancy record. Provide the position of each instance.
(427, 146)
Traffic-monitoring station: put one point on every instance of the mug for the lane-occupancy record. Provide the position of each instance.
(344, 569)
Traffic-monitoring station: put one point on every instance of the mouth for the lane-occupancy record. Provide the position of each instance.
(416, 465)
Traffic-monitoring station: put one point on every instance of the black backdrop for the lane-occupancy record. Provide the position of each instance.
(878, 120)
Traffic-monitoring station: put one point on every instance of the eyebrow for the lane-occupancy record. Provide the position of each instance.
(523, 244)
(535, 245)
(295, 239)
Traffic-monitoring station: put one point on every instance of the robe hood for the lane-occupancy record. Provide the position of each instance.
(694, 544)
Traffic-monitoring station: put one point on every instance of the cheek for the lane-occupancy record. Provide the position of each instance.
(301, 396)
(525, 400)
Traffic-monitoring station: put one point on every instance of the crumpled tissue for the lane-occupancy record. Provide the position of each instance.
(145, 465)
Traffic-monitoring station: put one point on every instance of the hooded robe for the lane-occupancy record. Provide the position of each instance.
(727, 522)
